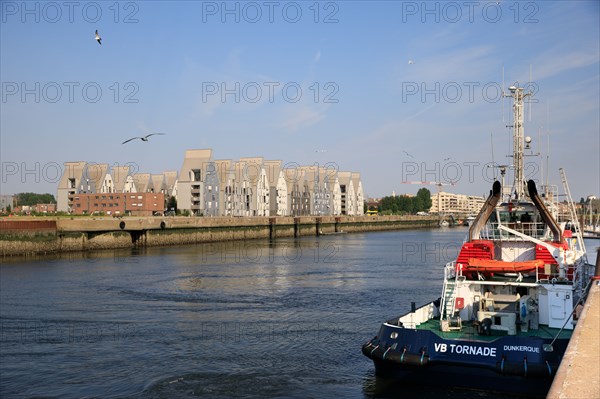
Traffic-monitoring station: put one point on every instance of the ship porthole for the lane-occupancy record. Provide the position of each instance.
(394, 335)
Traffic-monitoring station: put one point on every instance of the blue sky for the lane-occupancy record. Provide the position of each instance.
(394, 90)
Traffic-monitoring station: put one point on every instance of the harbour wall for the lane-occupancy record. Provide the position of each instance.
(38, 237)
(579, 373)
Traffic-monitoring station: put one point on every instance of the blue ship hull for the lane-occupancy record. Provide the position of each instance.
(515, 364)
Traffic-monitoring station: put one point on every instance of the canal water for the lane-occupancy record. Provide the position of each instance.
(239, 319)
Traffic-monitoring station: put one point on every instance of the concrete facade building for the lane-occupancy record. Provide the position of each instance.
(69, 185)
(190, 185)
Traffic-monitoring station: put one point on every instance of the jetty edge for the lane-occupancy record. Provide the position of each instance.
(579, 373)
(41, 236)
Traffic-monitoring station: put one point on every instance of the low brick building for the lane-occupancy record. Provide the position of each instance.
(134, 204)
(45, 208)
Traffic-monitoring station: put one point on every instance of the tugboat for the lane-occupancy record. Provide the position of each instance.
(509, 302)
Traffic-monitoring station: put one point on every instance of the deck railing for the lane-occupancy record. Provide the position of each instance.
(536, 230)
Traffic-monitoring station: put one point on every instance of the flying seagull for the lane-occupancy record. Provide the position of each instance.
(142, 138)
(410, 62)
(98, 38)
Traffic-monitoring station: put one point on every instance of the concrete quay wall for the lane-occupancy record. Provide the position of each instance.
(79, 234)
(579, 373)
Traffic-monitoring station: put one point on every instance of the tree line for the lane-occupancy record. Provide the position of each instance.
(403, 204)
(33, 199)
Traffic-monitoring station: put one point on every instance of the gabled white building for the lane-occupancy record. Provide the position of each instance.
(360, 196)
(348, 194)
(158, 184)
(122, 179)
(171, 183)
(257, 194)
(294, 183)
(223, 168)
(95, 179)
(211, 190)
(143, 182)
(278, 195)
(332, 195)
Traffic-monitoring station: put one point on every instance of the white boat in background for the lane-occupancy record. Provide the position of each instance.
(469, 220)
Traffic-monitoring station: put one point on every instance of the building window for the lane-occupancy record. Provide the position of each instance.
(196, 175)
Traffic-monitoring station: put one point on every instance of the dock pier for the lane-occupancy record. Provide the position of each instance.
(579, 373)
(37, 236)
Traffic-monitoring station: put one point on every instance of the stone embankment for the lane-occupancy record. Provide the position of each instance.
(38, 236)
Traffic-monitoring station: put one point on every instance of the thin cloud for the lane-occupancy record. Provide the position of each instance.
(552, 63)
(299, 116)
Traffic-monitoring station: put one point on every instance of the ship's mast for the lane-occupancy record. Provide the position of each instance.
(518, 95)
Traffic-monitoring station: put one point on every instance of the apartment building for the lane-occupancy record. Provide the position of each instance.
(190, 186)
(443, 202)
(206, 187)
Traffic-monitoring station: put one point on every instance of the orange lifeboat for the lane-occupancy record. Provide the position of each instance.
(498, 266)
